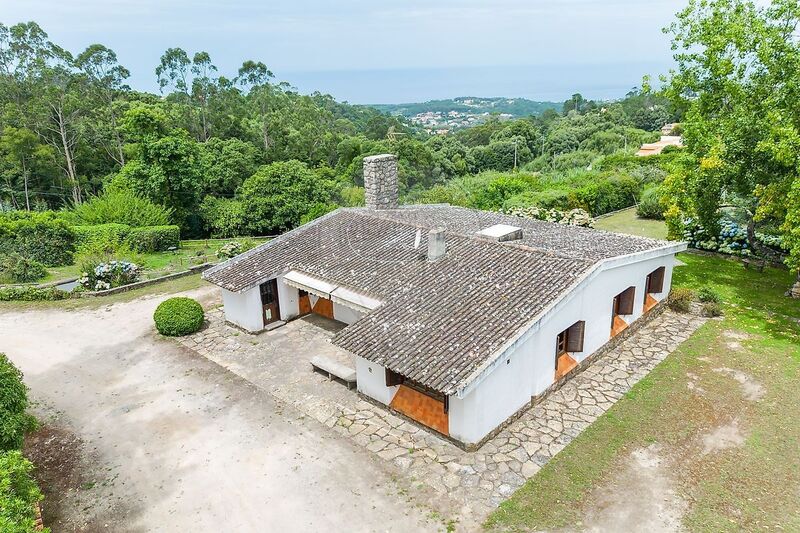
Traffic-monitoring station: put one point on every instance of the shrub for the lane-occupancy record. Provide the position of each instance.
(650, 204)
(547, 199)
(234, 248)
(498, 191)
(100, 239)
(178, 316)
(606, 194)
(117, 205)
(708, 295)
(18, 494)
(41, 237)
(318, 210)
(153, 238)
(680, 299)
(711, 309)
(573, 217)
(18, 269)
(104, 276)
(14, 421)
(31, 294)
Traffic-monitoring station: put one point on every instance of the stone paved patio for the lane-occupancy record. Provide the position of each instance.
(277, 361)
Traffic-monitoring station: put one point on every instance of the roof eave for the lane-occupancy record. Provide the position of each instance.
(466, 385)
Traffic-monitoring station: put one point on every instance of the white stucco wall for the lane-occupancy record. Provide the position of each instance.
(372, 381)
(244, 309)
(288, 299)
(531, 370)
(345, 314)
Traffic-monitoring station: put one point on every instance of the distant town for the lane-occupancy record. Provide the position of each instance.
(443, 116)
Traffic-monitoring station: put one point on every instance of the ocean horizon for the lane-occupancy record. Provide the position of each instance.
(554, 83)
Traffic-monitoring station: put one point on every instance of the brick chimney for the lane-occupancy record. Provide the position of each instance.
(380, 181)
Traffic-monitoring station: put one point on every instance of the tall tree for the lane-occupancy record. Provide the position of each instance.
(254, 77)
(738, 76)
(106, 79)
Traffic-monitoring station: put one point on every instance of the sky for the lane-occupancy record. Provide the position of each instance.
(382, 51)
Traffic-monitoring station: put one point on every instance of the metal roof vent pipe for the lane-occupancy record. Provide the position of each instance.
(436, 244)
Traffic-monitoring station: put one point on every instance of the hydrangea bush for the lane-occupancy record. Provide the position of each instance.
(230, 249)
(109, 275)
(234, 248)
(732, 238)
(573, 217)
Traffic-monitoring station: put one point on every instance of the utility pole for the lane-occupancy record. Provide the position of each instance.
(515, 156)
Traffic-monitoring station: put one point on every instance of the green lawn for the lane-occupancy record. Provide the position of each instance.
(627, 222)
(753, 486)
(158, 264)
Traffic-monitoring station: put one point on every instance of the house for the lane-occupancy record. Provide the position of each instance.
(456, 318)
(667, 139)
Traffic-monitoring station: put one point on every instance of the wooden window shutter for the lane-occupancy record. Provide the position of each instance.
(393, 378)
(656, 281)
(575, 336)
(625, 302)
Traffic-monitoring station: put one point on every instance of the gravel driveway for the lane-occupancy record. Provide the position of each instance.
(165, 440)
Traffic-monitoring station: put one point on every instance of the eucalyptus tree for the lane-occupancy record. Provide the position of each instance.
(106, 80)
(254, 77)
(42, 91)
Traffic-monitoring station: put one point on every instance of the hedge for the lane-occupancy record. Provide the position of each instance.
(178, 316)
(154, 238)
(17, 269)
(47, 240)
(102, 237)
(31, 294)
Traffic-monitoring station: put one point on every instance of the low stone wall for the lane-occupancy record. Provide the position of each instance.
(146, 283)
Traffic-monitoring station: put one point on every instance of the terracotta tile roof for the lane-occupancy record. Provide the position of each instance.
(441, 320)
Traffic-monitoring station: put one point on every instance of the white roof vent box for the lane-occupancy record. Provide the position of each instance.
(501, 233)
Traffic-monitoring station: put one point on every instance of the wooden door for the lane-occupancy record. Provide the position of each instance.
(269, 301)
(304, 303)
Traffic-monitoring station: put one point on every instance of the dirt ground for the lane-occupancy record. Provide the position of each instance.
(138, 434)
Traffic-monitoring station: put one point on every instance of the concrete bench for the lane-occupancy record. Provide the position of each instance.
(334, 370)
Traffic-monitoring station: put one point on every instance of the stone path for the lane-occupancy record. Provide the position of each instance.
(477, 481)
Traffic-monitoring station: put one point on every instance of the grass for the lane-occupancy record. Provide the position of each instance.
(626, 221)
(181, 284)
(754, 486)
(158, 264)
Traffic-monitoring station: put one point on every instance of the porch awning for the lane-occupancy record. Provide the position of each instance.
(341, 295)
(312, 285)
(354, 300)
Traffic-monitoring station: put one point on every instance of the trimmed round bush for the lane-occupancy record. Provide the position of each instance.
(178, 316)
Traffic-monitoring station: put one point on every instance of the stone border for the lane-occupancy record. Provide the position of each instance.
(146, 283)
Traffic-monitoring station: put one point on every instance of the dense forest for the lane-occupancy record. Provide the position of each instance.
(250, 155)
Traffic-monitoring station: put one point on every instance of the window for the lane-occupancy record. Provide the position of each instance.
(655, 281)
(570, 340)
(561, 342)
(623, 302)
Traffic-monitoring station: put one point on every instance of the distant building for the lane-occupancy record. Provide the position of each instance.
(667, 139)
